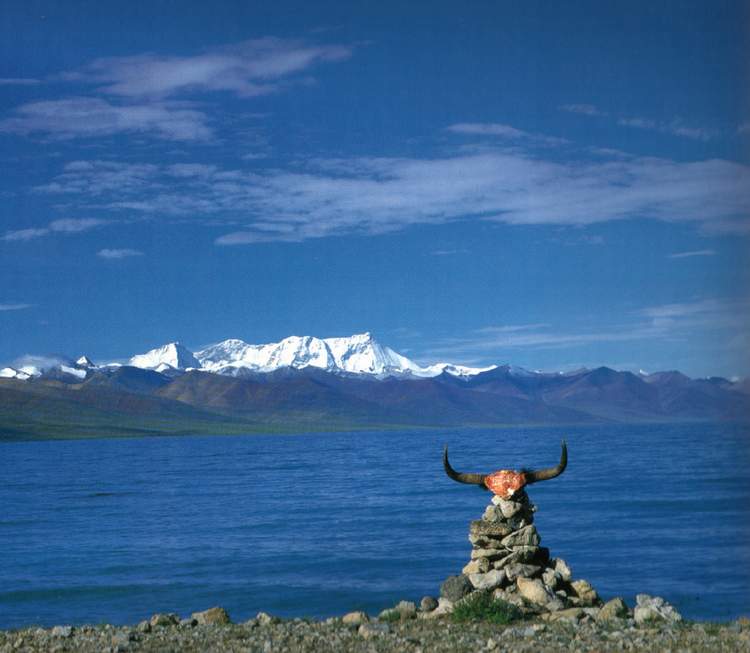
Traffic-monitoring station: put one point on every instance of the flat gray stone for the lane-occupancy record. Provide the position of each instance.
(497, 530)
(510, 508)
(489, 581)
(527, 536)
(518, 570)
(489, 554)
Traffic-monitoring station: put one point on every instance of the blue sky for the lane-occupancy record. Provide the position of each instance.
(478, 182)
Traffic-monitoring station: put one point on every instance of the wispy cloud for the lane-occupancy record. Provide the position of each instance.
(674, 127)
(379, 195)
(699, 252)
(249, 68)
(95, 178)
(92, 117)
(146, 94)
(584, 109)
(667, 322)
(75, 225)
(24, 234)
(118, 253)
(448, 252)
(18, 81)
(63, 225)
(503, 131)
(15, 307)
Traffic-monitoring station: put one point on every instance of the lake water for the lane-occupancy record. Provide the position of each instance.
(317, 525)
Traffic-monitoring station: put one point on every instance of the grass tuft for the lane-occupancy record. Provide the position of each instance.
(480, 606)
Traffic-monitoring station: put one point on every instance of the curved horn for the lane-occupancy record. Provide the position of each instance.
(472, 479)
(551, 472)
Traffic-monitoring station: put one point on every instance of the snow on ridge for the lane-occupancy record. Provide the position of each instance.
(359, 354)
(356, 354)
(172, 354)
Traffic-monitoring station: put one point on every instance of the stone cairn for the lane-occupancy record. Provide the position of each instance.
(507, 560)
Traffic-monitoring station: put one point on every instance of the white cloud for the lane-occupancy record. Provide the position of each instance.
(449, 252)
(75, 225)
(500, 130)
(95, 178)
(675, 127)
(724, 319)
(700, 252)
(18, 81)
(584, 109)
(249, 68)
(640, 123)
(118, 253)
(379, 195)
(138, 94)
(14, 307)
(487, 129)
(63, 225)
(24, 234)
(95, 117)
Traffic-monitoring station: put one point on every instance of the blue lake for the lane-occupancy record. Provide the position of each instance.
(317, 525)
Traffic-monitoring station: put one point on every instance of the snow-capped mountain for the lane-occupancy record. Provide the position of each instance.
(13, 373)
(30, 367)
(170, 356)
(84, 362)
(357, 354)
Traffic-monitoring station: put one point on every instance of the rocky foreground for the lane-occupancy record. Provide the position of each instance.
(212, 631)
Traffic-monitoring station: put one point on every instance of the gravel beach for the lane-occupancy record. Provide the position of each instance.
(265, 634)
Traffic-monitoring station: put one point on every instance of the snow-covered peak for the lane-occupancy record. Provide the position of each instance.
(362, 354)
(85, 362)
(230, 356)
(462, 371)
(296, 351)
(12, 373)
(174, 355)
(357, 354)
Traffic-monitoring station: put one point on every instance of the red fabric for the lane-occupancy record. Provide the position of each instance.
(505, 482)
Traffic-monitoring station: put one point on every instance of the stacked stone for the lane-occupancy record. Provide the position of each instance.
(507, 560)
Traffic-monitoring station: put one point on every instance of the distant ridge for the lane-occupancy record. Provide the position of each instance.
(307, 383)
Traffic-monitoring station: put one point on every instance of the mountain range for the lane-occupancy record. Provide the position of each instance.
(307, 383)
